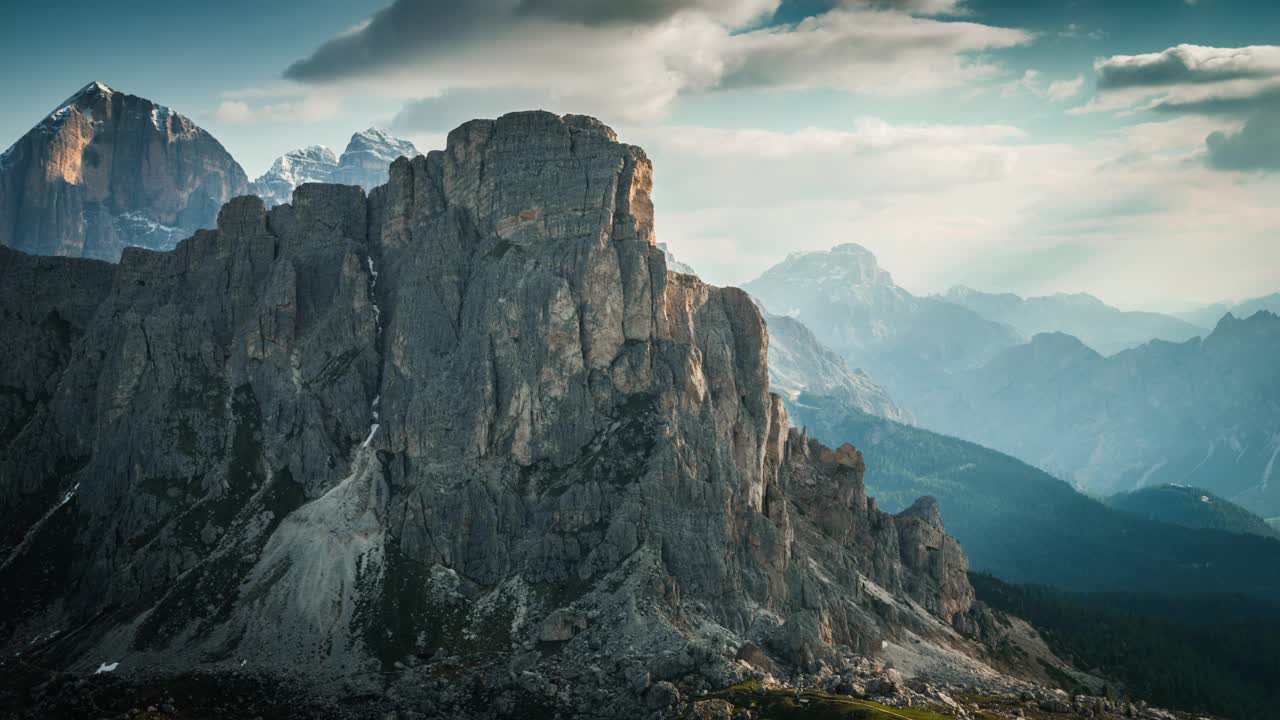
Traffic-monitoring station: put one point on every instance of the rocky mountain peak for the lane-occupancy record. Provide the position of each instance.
(87, 94)
(470, 413)
(364, 162)
(849, 265)
(106, 170)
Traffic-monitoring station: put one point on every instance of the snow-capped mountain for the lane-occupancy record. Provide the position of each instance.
(367, 157)
(106, 170)
(310, 164)
(364, 162)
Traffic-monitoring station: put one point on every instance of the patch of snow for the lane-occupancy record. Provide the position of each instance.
(373, 430)
(93, 88)
(107, 667)
(160, 117)
(1205, 499)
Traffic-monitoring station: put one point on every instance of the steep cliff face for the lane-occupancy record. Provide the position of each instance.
(108, 170)
(470, 414)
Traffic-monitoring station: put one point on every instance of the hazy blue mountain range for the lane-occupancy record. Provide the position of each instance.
(1100, 326)
(912, 345)
(1209, 315)
(1202, 412)
(1192, 507)
(1026, 526)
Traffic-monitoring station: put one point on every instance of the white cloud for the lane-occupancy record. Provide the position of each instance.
(1129, 216)
(309, 108)
(1065, 89)
(1188, 78)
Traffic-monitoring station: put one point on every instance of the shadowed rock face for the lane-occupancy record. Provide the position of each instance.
(467, 413)
(108, 170)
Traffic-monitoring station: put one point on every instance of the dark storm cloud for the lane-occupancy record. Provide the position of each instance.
(412, 30)
(1255, 147)
(405, 30)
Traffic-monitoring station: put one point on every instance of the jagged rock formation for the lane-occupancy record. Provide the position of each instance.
(469, 415)
(310, 164)
(108, 170)
(364, 163)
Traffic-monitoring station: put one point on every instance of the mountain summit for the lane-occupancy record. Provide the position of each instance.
(910, 344)
(106, 170)
(365, 162)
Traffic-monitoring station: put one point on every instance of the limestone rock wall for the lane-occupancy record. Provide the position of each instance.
(465, 412)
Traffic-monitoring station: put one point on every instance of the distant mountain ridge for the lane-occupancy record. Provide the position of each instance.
(1209, 315)
(1025, 526)
(1205, 412)
(365, 162)
(1100, 326)
(106, 170)
(909, 344)
(1191, 507)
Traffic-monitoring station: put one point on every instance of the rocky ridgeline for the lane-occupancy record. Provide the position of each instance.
(106, 170)
(364, 162)
(463, 442)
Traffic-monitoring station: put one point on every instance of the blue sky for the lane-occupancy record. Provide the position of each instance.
(1004, 144)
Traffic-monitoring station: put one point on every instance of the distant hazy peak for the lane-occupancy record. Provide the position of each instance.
(846, 264)
(1061, 342)
(1261, 317)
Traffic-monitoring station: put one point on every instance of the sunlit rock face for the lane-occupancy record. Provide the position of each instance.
(468, 413)
(107, 170)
